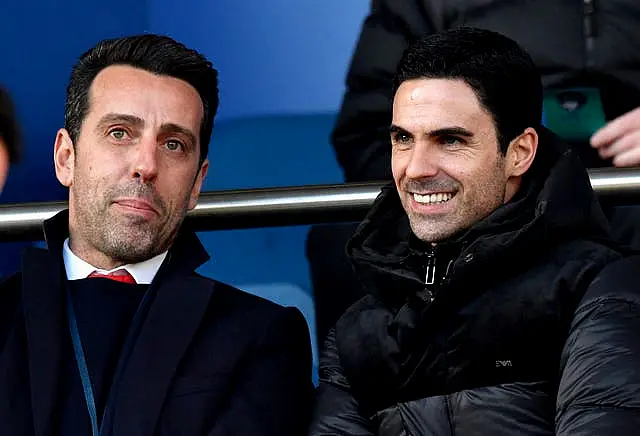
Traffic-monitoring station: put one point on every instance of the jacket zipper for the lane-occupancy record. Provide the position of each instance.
(427, 294)
(430, 275)
(589, 27)
(431, 278)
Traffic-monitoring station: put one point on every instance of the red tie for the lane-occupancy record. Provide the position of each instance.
(120, 275)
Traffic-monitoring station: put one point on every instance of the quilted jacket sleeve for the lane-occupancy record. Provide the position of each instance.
(599, 392)
(336, 411)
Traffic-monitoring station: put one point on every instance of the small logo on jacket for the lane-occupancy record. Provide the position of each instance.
(503, 363)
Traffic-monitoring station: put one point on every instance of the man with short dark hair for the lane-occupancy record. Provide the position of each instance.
(110, 330)
(590, 74)
(474, 261)
(9, 135)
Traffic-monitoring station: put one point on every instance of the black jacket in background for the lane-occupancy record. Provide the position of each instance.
(207, 359)
(551, 31)
(601, 358)
(489, 354)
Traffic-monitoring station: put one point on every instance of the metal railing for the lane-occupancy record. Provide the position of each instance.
(235, 209)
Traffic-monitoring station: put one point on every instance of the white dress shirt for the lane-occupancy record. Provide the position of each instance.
(142, 272)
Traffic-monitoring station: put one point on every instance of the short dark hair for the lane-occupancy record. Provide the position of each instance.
(503, 76)
(156, 54)
(9, 127)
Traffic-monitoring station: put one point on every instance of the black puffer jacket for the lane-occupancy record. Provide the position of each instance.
(479, 352)
(574, 42)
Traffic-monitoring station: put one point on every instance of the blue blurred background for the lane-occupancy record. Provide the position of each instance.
(275, 57)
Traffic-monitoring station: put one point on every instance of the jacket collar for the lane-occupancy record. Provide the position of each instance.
(555, 202)
(178, 305)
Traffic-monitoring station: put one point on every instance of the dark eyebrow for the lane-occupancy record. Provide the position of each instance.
(175, 128)
(393, 130)
(113, 118)
(438, 133)
(450, 131)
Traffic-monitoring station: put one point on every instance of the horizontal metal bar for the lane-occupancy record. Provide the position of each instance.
(617, 182)
(298, 205)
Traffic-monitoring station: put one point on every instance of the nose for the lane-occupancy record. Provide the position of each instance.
(146, 160)
(423, 162)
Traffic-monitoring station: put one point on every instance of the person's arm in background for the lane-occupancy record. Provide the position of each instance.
(599, 391)
(361, 134)
(336, 411)
(620, 139)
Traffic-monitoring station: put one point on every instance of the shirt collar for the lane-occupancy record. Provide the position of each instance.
(142, 272)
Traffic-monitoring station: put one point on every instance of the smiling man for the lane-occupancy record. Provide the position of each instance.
(110, 330)
(474, 260)
(447, 171)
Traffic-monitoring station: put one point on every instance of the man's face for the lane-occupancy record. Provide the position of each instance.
(134, 171)
(446, 163)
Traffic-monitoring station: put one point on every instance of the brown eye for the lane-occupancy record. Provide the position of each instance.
(401, 138)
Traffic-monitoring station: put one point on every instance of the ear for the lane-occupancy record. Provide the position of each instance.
(64, 158)
(4, 163)
(521, 152)
(197, 184)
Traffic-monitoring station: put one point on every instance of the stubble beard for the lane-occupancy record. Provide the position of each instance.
(436, 228)
(124, 238)
(429, 229)
(129, 240)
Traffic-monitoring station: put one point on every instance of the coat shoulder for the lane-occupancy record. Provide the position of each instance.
(233, 297)
(254, 312)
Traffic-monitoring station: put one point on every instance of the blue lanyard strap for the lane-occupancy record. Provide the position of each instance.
(82, 365)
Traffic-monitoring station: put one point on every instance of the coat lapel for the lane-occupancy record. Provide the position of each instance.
(181, 300)
(170, 325)
(44, 318)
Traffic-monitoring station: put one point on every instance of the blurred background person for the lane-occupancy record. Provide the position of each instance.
(582, 48)
(619, 140)
(9, 135)
(591, 75)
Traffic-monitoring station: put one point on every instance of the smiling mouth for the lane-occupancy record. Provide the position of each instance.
(435, 198)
